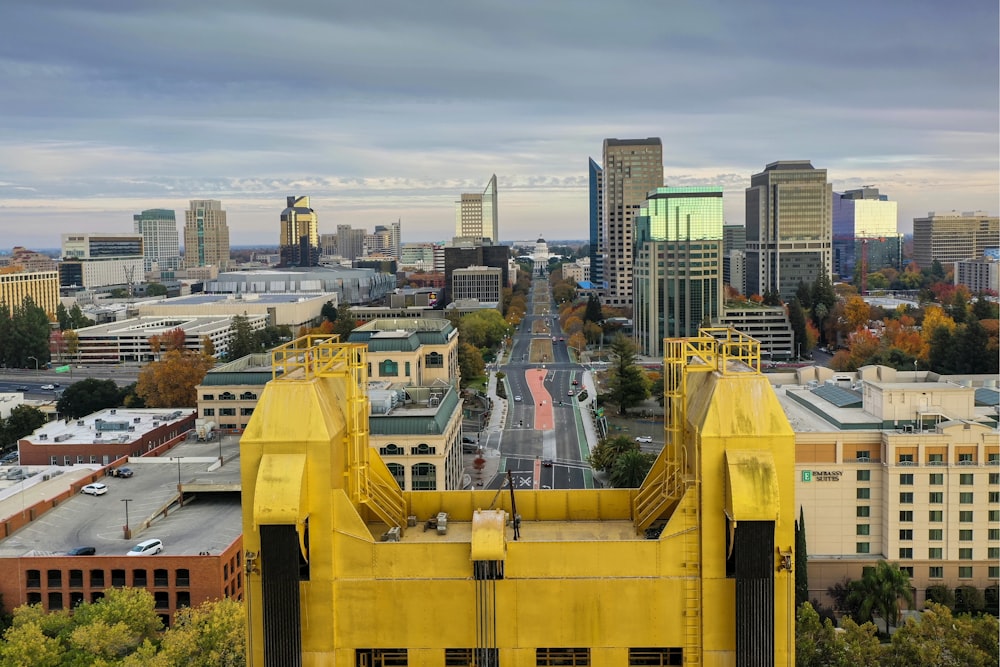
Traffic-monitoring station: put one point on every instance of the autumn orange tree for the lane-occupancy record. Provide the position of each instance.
(171, 381)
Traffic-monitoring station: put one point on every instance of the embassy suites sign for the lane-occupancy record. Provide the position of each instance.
(822, 475)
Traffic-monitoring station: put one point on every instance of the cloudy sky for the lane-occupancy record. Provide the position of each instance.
(389, 109)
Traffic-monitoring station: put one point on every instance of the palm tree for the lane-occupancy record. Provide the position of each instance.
(630, 469)
(879, 591)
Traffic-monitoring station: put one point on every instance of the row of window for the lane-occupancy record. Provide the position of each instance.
(395, 450)
(140, 577)
(934, 478)
(230, 396)
(935, 516)
(933, 553)
(544, 657)
(55, 599)
(934, 497)
(226, 412)
(423, 476)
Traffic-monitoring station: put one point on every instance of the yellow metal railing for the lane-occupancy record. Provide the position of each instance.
(368, 482)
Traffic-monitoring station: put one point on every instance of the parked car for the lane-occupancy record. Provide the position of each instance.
(146, 548)
(81, 551)
(575, 383)
(569, 393)
(22, 387)
(48, 387)
(95, 489)
(547, 463)
(121, 472)
(644, 438)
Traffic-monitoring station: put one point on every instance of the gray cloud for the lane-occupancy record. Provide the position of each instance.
(391, 109)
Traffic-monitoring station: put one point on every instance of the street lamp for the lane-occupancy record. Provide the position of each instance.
(35, 359)
(128, 533)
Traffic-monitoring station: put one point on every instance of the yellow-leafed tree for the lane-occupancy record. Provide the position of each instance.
(171, 381)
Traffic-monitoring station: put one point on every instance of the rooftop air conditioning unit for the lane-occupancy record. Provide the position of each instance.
(113, 411)
(43, 436)
(136, 420)
(79, 422)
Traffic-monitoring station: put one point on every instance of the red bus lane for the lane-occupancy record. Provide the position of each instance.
(544, 417)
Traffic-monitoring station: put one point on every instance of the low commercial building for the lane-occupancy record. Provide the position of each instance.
(979, 275)
(767, 324)
(104, 437)
(292, 310)
(483, 283)
(129, 340)
(228, 393)
(416, 352)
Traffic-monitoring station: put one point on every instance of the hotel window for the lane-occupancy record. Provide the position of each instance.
(965, 498)
(906, 552)
(965, 516)
(993, 534)
(935, 458)
(935, 534)
(863, 454)
(994, 515)
(934, 553)
(864, 475)
(965, 554)
(863, 529)
(965, 572)
(993, 553)
(965, 458)
(936, 572)
(905, 515)
(965, 479)
(995, 478)
(862, 548)
(388, 368)
(965, 535)
(906, 497)
(908, 570)
(906, 480)
(864, 511)
(994, 496)
(937, 478)
(906, 534)
(208, 412)
(994, 572)
(936, 497)
(864, 494)
(906, 458)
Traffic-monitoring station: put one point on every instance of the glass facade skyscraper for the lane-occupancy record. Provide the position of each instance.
(596, 179)
(678, 265)
(864, 231)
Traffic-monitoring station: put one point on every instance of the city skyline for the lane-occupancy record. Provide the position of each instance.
(409, 106)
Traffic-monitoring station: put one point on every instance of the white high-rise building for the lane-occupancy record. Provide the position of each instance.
(476, 214)
(160, 240)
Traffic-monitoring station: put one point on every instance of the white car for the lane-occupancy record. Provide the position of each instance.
(95, 489)
(644, 438)
(146, 548)
(48, 387)
(517, 399)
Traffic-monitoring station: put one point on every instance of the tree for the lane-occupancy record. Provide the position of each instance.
(879, 592)
(28, 336)
(969, 600)
(801, 561)
(88, 396)
(630, 469)
(857, 313)
(62, 317)
(593, 312)
(78, 319)
(346, 322)
(797, 320)
(243, 341)
(818, 644)
(983, 309)
(23, 420)
(940, 594)
(329, 312)
(608, 451)
(171, 381)
(207, 346)
(156, 289)
(470, 363)
(627, 385)
(804, 294)
(211, 635)
(939, 638)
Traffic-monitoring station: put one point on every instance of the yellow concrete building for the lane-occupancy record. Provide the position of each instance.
(693, 568)
(41, 286)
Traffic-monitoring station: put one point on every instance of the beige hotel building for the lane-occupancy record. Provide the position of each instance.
(897, 466)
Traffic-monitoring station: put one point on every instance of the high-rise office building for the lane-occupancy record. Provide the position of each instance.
(632, 169)
(476, 214)
(93, 260)
(206, 235)
(350, 242)
(678, 265)
(864, 232)
(595, 176)
(788, 227)
(384, 240)
(950, 237)
(299, 240)
(160, 241)
(734, 244)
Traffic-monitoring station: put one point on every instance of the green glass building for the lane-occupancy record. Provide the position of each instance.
(678, 265)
